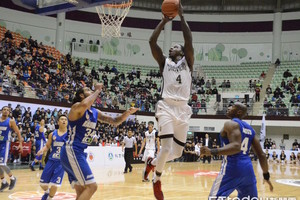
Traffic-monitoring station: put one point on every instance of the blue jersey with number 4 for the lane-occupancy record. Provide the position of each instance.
(82, 131)
(57, 143)
(239, 164)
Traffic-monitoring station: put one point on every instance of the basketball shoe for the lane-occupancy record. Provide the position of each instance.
(149, 167)
(159, 195)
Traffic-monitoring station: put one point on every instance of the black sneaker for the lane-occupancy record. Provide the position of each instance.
(31, 167)
(41, 168)
(12, 184)
(4, 186)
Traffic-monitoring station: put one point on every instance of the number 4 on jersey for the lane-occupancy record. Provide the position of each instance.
(244, 145)
(178, 79)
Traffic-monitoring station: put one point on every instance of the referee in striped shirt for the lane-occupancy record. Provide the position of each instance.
(128, 143)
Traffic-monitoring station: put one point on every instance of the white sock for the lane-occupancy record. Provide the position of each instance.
(156, 178)
(47, 191)
(12, 178)
(49, 198)
(4, 181)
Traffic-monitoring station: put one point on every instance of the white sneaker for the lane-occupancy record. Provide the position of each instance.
(15, 161)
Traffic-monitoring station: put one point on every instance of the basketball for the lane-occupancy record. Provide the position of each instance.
(170, 8)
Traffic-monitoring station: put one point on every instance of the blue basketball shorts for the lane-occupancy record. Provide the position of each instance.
(53, 173)
(74, 163)
(4, 151)
(224, 185)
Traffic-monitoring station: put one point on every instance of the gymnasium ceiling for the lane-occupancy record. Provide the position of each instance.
(226, 6)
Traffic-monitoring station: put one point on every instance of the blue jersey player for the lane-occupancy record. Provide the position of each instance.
(237, 172)
(6, 124)
(39, 143)
(53, 173)
(82, 124)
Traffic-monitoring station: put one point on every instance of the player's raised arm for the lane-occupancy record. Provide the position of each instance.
(188, 39)
(14, 126)
(81, 103)
(116, 120)
(232, 131)
(262, 161)
(155, 49)
(47, 146)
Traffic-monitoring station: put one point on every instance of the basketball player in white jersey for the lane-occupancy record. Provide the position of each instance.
(150, 137)
(172, 112)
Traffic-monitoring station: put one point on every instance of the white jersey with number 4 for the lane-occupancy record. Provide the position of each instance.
(177, 80)
(150, 139)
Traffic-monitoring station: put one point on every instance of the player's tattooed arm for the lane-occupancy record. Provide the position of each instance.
(116, 120)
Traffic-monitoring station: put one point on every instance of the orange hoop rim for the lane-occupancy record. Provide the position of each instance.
(120, 5)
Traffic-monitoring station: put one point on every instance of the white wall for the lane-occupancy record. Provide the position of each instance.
(257, 45)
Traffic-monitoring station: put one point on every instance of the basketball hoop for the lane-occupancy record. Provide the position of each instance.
(112, 17)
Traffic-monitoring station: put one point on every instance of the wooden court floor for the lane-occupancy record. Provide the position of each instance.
(180, 181)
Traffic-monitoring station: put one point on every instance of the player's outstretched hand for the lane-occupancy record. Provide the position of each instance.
(267, 179)
(166, 19)
(205, 151)
(98, 86)
(133, 110)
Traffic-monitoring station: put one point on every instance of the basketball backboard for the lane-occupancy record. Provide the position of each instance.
(49, 7)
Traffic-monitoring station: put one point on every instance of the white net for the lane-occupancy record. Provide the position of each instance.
(112, 17)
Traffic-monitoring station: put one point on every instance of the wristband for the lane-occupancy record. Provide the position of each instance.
(266, 176)
(214, 152)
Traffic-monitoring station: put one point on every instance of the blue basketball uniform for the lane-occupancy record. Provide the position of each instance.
(53, 173)
(236, 171)
(4, 141)
(73, 158)
(39, 141)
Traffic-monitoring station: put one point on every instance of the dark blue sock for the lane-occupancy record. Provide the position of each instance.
(41, 164)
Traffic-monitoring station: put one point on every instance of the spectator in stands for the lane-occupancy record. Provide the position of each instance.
(268, 91)
(114, 70)
(215, 91)
(208, 84)
(257, 94)
(213, 81)
(223, 85)
(201, 91)
(250, 85)
(294, 100)
(282, 145)
(258, 84)
(267, 104)
(295, 143)
(263, 75)
(195, 107)
(295, 79)
(194, 97)
(86, 62)
(203, 105)
(277, 62)
(8, 35)
(228, 84)
(287, 74)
